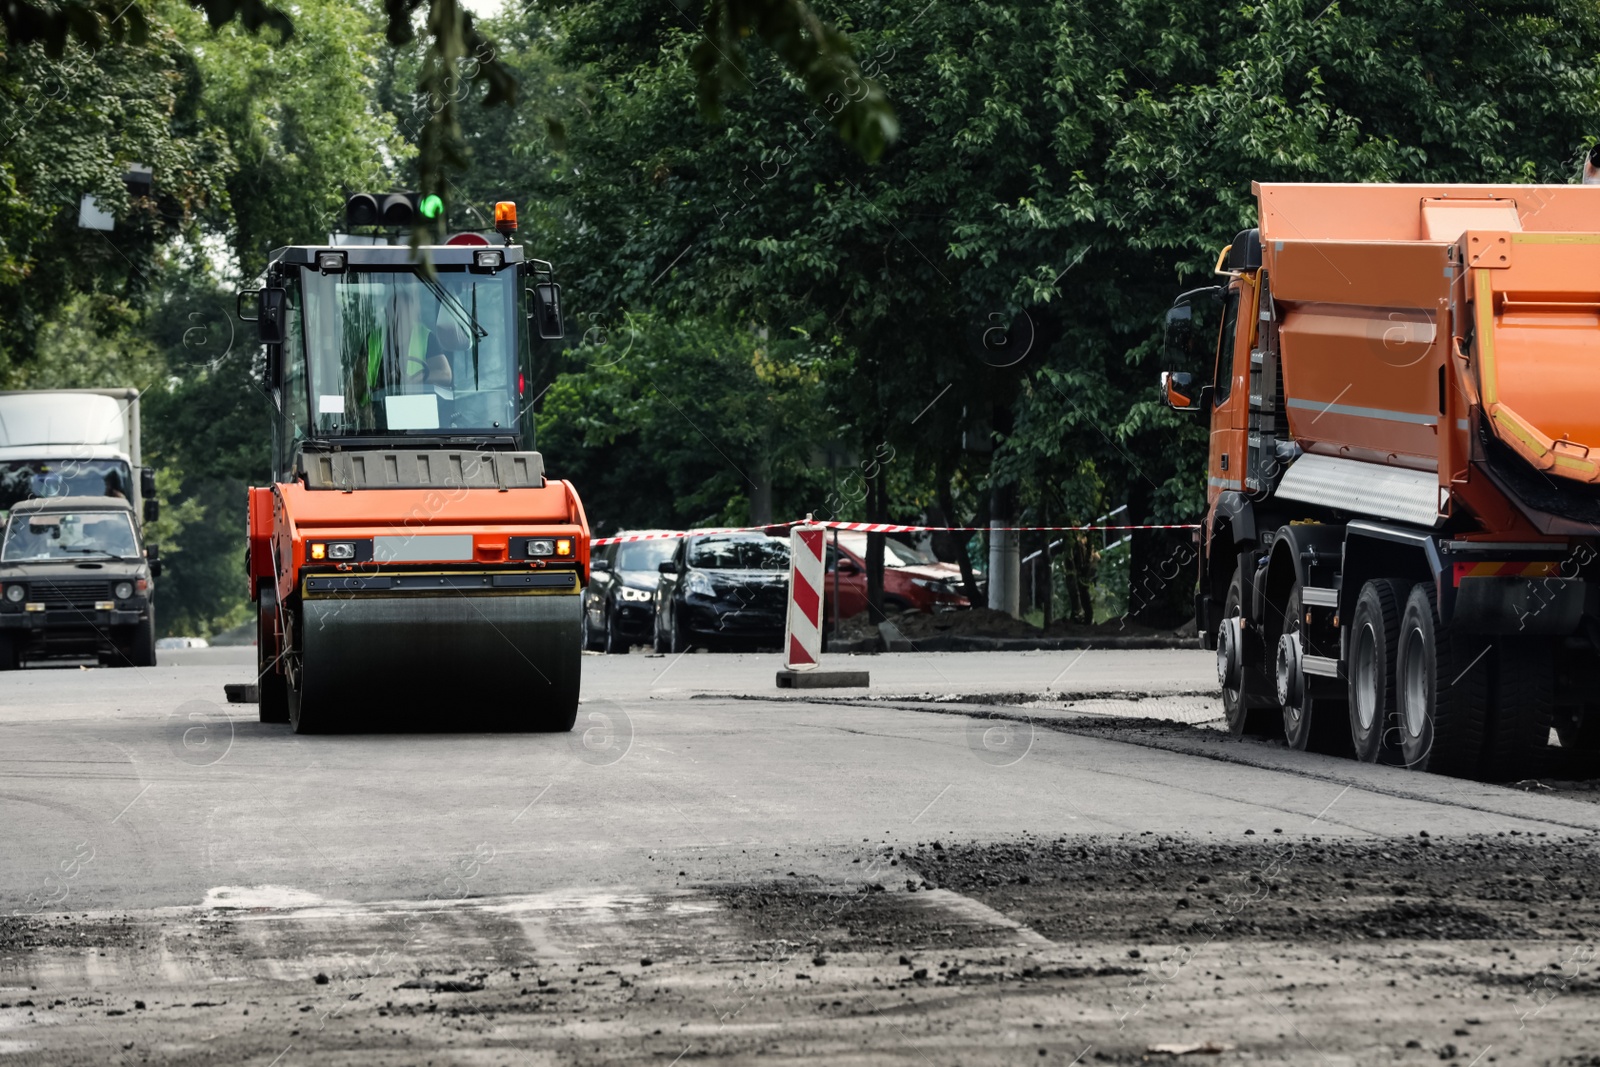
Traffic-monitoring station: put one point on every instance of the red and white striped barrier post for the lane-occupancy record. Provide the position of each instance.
(802, 639)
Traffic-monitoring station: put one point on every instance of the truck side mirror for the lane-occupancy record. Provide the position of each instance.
(546, 317)
(270, 324)
(152, 553)
(1179, 392)
(152, 509)
(147, 482)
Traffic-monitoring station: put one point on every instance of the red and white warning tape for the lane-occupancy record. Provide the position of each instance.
(884, 527)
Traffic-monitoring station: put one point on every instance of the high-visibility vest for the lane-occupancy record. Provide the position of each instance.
(416, 358)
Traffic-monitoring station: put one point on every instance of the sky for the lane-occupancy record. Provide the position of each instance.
(483, 8)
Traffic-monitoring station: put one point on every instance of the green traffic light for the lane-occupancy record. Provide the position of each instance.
(431, 207)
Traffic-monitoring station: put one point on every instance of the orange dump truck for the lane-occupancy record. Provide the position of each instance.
(1399, 554)
(410, 560)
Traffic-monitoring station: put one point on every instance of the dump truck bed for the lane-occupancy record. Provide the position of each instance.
(1375, 289)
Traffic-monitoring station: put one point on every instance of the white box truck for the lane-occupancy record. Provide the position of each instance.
(73, 442)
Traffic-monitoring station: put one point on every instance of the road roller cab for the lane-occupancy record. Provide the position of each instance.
(411, 560)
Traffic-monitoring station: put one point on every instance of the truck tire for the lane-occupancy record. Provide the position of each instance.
(1374, 633)
(142, 643)
(1311, 722)
(272, 689)
(1442, 690)
(1250, 706)
(1517, 744)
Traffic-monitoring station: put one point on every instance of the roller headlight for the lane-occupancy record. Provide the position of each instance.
(123, 590)
(697, 584)
(16, 593)
(342, 550)
(541, 546)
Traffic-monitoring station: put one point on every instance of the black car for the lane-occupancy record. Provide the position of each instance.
(74, 581)
(619, 609)
(723, 591)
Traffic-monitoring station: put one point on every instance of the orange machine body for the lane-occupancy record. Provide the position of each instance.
(287, 517)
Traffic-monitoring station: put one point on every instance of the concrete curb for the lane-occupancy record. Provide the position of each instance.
(953, 643)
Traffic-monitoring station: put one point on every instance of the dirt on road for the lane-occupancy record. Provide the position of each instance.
(1050, 951)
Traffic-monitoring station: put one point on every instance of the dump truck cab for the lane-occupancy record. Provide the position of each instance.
(410, 555)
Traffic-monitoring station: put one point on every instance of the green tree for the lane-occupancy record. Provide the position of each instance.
(681, 423)
(1063, 170)
(72, 127)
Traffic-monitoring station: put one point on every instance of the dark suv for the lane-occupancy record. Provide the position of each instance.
(619, 608)
(74, 581)
(723, 591)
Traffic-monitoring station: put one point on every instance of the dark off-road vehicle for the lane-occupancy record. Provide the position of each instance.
(75, 582)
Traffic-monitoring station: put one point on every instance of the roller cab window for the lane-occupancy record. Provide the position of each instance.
(396, 353)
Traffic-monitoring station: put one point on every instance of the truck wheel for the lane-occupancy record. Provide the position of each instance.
(1441, 689)
(616, 644)
(272, 689)
(1374, 631)
(1311, 723)
(1247, 697)
(1518, 739)
(142, 647)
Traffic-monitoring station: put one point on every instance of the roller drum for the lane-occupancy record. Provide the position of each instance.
(509, 661)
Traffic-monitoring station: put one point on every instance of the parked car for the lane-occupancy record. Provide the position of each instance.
(912, 580)
(181, 642)
(723, 591)
(619, 608)
(75, 582)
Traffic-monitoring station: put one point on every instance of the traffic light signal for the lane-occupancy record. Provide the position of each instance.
(391, 209)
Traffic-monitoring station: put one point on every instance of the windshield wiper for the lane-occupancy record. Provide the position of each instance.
(455, 307)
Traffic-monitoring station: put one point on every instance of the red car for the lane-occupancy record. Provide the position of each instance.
(912, 580)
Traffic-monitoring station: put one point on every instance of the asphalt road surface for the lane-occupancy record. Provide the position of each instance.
(985, 858)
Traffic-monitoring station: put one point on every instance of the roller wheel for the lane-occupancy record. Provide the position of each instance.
(1374, 633)
(1517, 744)
(272, 687)
(306, 713)
(1442, 690)
(1249, 705)
(616, 644)
(1311, 722)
